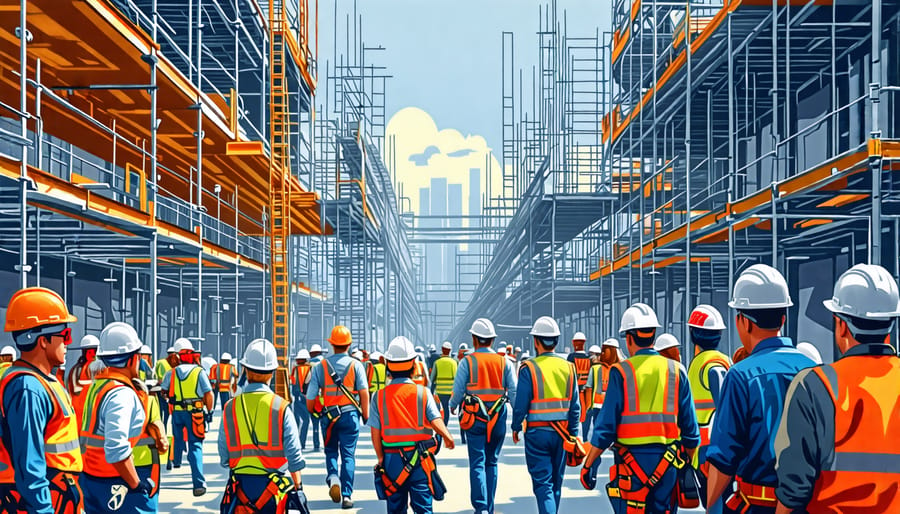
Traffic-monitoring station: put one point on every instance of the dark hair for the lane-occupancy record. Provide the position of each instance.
(641, 340)
(402, 374)
(867, 324)
(766, 319)
(118, 361)
(482, 341)
(548, 343)
(705, 338)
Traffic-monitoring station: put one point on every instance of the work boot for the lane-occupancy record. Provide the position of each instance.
(199, 491)
(334, 490)
(347, 503)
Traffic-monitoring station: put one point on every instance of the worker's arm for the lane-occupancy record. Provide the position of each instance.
(729, 439)
(28, 407)
(716, 485)
(522, 402)
(376, 444)
(209, 401)
(510, 381)
(574, 410)
(715, 377)
(121, 413)
(292, 447)
(433, 414)
(362, 389)
(364, 403)
(433, 376)
(125, 469)
(374, 423)
(606, 423)
(314, 388)
(459, 385)
(222, 446)
(687, 416)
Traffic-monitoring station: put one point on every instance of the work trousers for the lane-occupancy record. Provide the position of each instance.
(224, 396)
(546, 461)
(719, 506)
(483, 458)
(181, 423)
(342, 441)
(301, 416)
(112, 496)
(414, 492)
(660, 500)
(445, 406)
(588, 424)
(164, 409)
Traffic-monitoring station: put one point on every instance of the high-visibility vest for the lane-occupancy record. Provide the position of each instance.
(486, 371)
(866, 468)
(299, 375)
(331, 393)
(145, 453)
(62, 451)
(183, 392)
(79, 380)
(698, 378)
(402, 409)
(95, 463)
(601, 380)
(4, 366)
(552, 381)
(582, 363)
(162, 367)
(222, 375)
(420, 374)
(253, 425)
(650, 411)
(444, 374)
(377, 374)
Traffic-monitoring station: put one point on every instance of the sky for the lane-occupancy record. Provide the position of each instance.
(444, 57)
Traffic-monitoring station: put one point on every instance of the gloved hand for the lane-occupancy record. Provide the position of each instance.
(145, 487)
(297, 503)
(588, 478)
(209, 416)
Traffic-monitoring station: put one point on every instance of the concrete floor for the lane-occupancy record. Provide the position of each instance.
(514, 495)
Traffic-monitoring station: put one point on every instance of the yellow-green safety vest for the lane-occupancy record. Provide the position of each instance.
(698, 377)
(143, 452)
(162, 367)
(444, 374)
(252, 426)
(184, 392)
(379, 377)
(553, 382)
(650, 410)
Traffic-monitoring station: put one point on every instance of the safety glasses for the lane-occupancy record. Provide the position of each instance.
(66, 334)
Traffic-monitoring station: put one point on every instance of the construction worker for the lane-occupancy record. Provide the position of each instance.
(483, 386)
(749, 408)
(706, 374)
(837, 444)
(341, 382)
(162, 367)
(595, 388)
(420, 373)
(115, 425)
(7, 356)
(582, 362)
(223, 378)
(810, 351)
(433, 355)
(79, 379)
(547, 398)
(259, 441)
(668, 346)
(648, 418)
(299, 383)
(190, 399)
(40, 459)
(376, 372)
(404, 420)
(461, 352)
(443, 372)
(739, 355)
(315, 354)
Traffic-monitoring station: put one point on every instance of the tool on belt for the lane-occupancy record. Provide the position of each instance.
(687, 489)
(751, 495)
(65, 495)
(630, 483)
(573, 445)
(422, 454)
(474, 409)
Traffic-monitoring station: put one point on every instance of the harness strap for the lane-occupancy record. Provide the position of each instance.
(339, 382)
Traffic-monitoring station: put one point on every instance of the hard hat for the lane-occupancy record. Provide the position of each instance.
(760, 287)
(340, 336)
(447, 345)
(400, 350)
(8, 351)
(545, 326)
(145, 350)
(88, 341)
(483, 328)
(502, 350)
(419, 349)
(118, 339)
(612, 341)
(595, 349)
(171, 350)
(33, 307)
(302, 354)
(526, 355)
(357, 355)
(260, 356)
(638, 316)
(518, 349)
(810, 351)
(226, 357)
(375, 356)
(706, 317)
(579, 336)
(183, 345)
(866, 291)
(315, 348)
(665, 341)
(431, 347)
(463, 346)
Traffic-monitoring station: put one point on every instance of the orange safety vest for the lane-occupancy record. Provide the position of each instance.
(601, 380)
(61, 449)
(650, 411)
(331, 393)
(866, 468)
(222, 374)
(299, 375)
(486, 376)
(95, 463)
(582, 368)
(420, 375)
(402, 409)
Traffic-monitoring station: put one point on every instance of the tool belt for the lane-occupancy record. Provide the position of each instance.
(751, 495)
(421, 454)
(631, 484)
(236, 501)
(65, 495)
(573, 446)
(474, 409)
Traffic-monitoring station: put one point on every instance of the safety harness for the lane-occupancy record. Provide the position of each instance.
(413, 456)
(751, 495)
(474, 409)
(333, 413)
(630, 483)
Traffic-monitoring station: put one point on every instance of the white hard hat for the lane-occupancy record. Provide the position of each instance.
(89, 341)
(171, 349)
(315, 348)
(226, 357)
(356, 354)
(612, 341)
(463, 346)
(303, 354)
(665, 341)
(760, 287)
(182, 344)
(261, 356)
(8, 351)
(419, 349)
(118, 339)
(810, 351)
(707, 317)
(595, 349)
(431, 347)
(866, 291)
(375, 356)
(502, 350)
(400, 350)
(526, 355)
(518, 349)
(447, 345)
(638, 316)
(145, 350)
(545, 326)
(483, 328)
(579, 336)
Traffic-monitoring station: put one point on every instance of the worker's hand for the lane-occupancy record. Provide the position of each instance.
(162, 445)
(516, 437)
(453, 411)
(449, 443)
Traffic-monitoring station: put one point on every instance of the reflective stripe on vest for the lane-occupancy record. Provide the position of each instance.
(377, 376)
(186, 386)
(420, 375)
(582, 367)
(259, 415)
(92, 440)
(444, 374)
(601, 380)
(552, 379)
(402, 408)
(486, 376)
(332, 393)
(299, 374)
(62, 451)
(221, 374)
(866, 467)
(650, 411)
(698, 378)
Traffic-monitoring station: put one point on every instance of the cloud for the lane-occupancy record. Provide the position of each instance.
(460, 153)
(421, 159)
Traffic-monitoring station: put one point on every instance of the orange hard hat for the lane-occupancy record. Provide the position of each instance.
(34, 307)
(340, 336)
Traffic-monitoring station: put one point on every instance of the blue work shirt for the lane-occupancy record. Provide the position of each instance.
(339, 363)
(610, 415)
(290, 434)
(183, 370)
(525, 394)
(431, 409)
(120, 418)
(749, 411)
(462, 379)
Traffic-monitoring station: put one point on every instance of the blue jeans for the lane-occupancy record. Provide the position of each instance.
(344, 435)
(445, 405)
(181, 420)
(483, 457)
(301, 416)
(164, 409)
(546, 461)
(112, 496)
(660, 500)
(414, 491)
(224, 396)
(588, 424)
